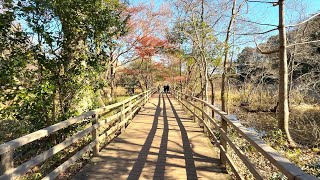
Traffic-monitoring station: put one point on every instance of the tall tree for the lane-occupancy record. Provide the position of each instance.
(226, 63)
(283, 121)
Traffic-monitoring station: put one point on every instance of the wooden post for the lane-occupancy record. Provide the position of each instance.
(194, 111)
(147, 93)
(130, 110)
(204, 119)
(95, 136)
(223, 158)
(6, 162)
(123, 116)
(142, 100)
(145, 98)
(201, 115)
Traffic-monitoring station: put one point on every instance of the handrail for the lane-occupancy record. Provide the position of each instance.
(284, 165)
(128, 108)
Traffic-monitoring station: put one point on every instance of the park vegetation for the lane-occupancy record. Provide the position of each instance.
(60, 58)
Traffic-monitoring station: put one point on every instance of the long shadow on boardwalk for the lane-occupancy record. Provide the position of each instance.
(161, 162)
(190, 166)
(142, 158)
(143, 152)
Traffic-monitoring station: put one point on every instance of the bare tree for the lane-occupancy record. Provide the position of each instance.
(283, 121)
(234, 12)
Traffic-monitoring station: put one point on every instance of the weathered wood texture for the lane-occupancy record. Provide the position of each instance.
(162, 142)
(116, 122)
(227, 121)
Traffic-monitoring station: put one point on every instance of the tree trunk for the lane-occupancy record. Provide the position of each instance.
(53, 117)
(283, 121)
(100, 99)
(225, 62)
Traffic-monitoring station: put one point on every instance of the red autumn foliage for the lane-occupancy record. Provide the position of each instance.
(128, 71)
(147, 26)
(149, 45)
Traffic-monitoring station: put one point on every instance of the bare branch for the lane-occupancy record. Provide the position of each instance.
(258, 33)
(304, 20)
(129, 61)
(268, 2)
(256, 22)
(265, 52)
(307, 42)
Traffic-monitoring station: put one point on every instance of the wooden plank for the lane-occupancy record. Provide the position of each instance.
(217, 142)
(231, 163)
(23, 168)
(8, 147)
(115, 128)
(283, 164)
(210, 119)
(128, 109)
(69, 162)
(305, 177)
(112, 130)
(103, 137)
(113, 106)
(6, 162)
(190, 110)
(95, 135)
(13, 144)
(128, 118)
(110, 120)
(255, 172)
(193, 113)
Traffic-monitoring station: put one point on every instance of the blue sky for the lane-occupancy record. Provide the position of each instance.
(258, 12)
(262, 11)
(296, 10)
(266, 13)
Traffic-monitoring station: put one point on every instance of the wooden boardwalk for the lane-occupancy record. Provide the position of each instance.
(162, 142)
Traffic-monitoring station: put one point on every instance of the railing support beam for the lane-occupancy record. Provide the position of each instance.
(223, 158)
(194, 112)
(123, 117)
(6, 162)
(95, 135)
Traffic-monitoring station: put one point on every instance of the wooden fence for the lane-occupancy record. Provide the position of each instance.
(102, 127)
(228, 122)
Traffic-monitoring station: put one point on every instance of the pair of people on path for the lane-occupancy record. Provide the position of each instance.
(166, 88)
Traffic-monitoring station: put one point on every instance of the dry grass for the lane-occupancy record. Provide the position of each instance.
(305, 107)
(304, 125)
(120, 91)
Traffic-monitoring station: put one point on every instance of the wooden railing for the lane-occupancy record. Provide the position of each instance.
(103, 126)
(200, 111)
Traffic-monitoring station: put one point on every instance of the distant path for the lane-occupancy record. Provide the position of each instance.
(162, 142)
